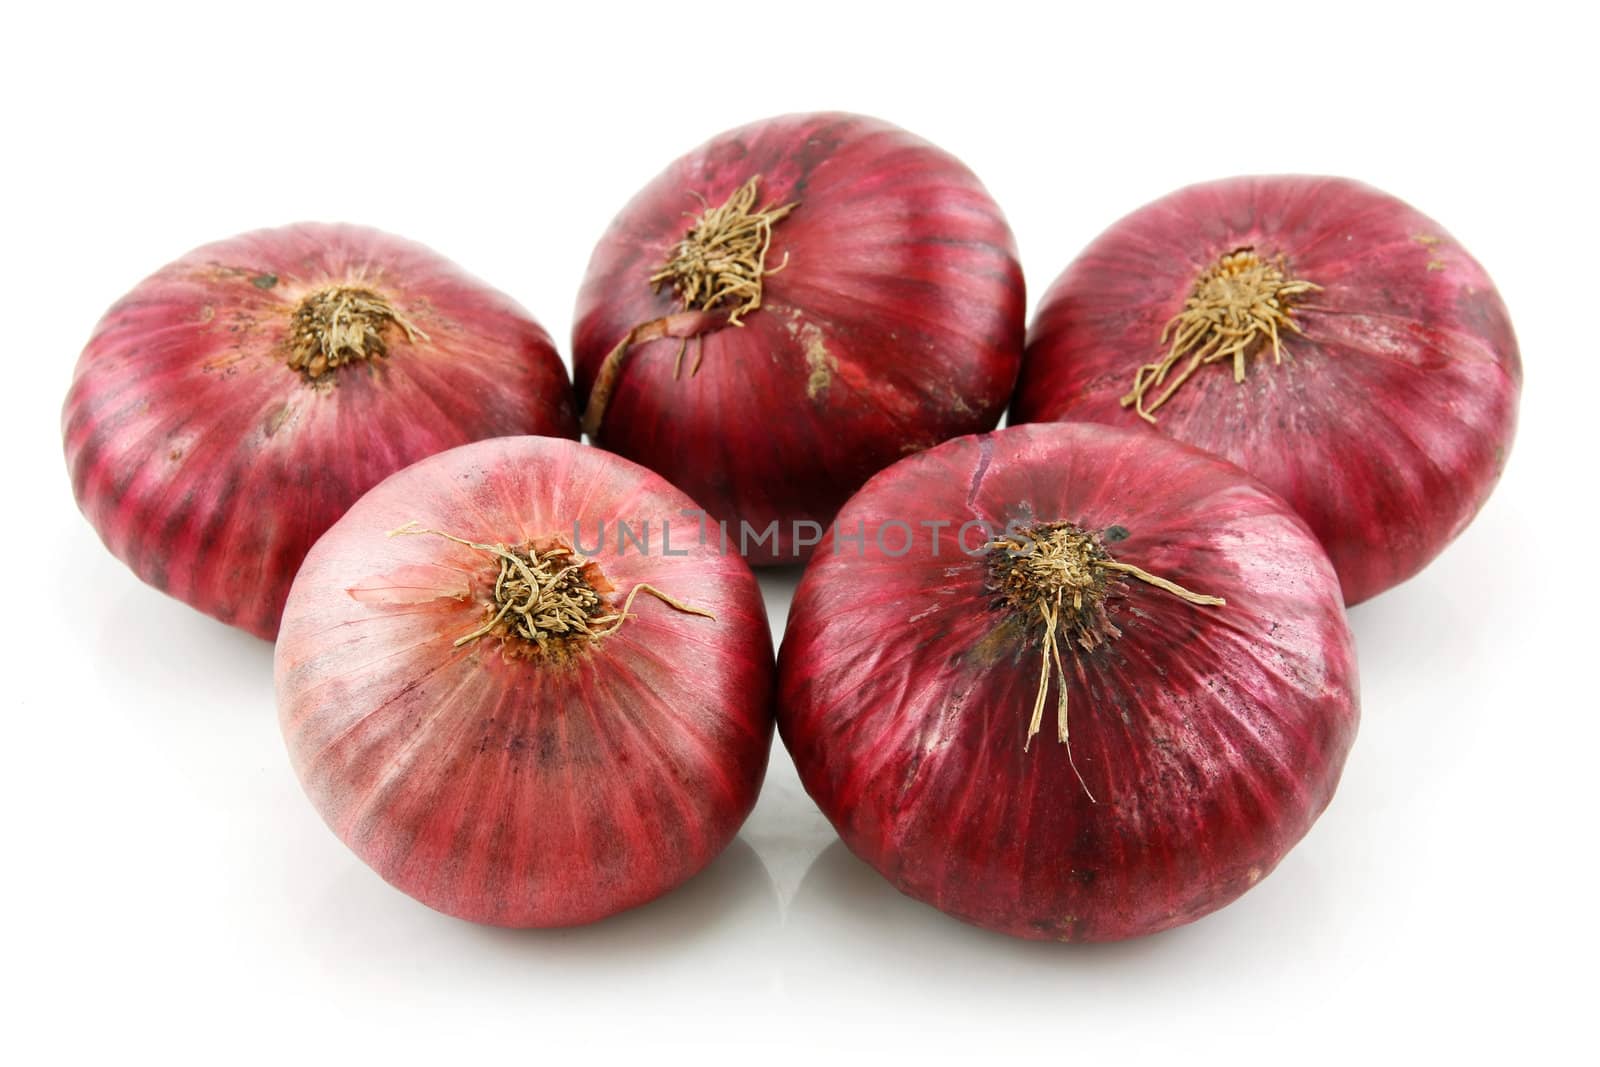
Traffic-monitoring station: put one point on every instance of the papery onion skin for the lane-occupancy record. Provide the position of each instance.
(505, 788)
(892, 319)
(209, 466)
(1210, 737)
(1386, 425)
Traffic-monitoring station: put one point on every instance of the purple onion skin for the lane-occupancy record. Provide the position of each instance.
(504, 788)
(1386, 426)
(1210, 737)
(896, 321)
(209, 466)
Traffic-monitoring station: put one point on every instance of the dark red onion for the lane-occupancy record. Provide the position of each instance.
(873, 308)
(516, 765)
(236, 402)
(1388, 417)
(1204, 738)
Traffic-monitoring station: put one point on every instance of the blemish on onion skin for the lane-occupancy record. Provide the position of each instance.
(1435, 264)
(1253, 875)
(1427, 240)
(819, 361)
(264, 281)
(997, 646)
(985, 454)
(276, 419)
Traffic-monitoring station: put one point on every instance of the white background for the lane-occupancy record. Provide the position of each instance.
(165, 886)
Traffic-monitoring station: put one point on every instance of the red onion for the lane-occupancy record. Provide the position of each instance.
(234, 404)
(1366, 371)
(790, 308)
(1175, 614)
(509, 729)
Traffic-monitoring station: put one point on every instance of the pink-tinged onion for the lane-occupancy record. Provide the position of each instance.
(1194, 742)
(235, 403)
(1331, 340)
(790, 308)
(542, 740)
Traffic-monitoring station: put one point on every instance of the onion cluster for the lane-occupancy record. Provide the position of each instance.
(1082, 679)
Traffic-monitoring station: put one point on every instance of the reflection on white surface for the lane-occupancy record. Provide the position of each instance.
(377, 934)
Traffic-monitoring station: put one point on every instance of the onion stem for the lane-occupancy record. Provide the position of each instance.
(1238, 301)
(1058, 573)
(722, 260)
(548, 595)
(342, 324)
